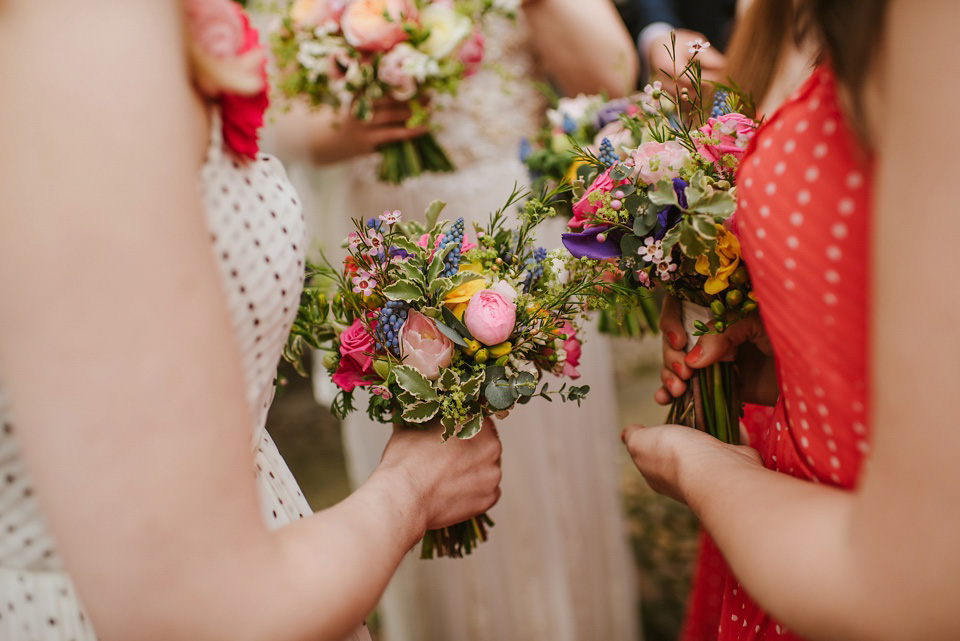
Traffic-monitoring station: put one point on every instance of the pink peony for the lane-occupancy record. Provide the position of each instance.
(394, 72)
(571, 345)
(583, 208)
(656, 161)
(313, 13)
(423, 347)
(490, 317)
(356, 348)
(377, 25)
(471, 52)
(724, 140)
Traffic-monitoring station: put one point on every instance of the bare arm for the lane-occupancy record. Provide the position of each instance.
(881, 562)
(119, 367)
(585, 47)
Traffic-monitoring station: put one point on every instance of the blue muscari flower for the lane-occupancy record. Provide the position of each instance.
(534, 268)
(608, 155)
(721, 106)
(453, 236)
(375, 223)
(389, 324)
(569, 125)
(526, 150)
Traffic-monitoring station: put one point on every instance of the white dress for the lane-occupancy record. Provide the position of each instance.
(557, 565)
(257, 231)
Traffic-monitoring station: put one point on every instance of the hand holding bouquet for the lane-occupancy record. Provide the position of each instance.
(441, 329)
(358, 52)
(662, 217)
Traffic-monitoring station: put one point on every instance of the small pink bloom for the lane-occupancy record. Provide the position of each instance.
(377, 25)
(571, 345)
(391, 217)
(423, 347)
(395, 73)
(471, 52)
(314, 13)
(656, 161)
(490, 317)
(364, 284)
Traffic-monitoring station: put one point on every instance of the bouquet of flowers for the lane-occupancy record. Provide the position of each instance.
(441, 329)
(357, 52)
(607, 129)
(662, 217)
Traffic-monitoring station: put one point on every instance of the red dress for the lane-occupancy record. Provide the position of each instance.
(804, 223)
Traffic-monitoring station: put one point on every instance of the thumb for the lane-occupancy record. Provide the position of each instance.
(629, 432)
(714, 348)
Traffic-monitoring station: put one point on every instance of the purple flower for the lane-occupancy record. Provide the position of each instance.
(588, 244)
(670, 216)
(611, 112)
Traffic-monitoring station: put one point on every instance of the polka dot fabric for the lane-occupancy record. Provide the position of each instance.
(804, 227)
(257, 233)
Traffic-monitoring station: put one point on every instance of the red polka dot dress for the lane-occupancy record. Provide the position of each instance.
(804, 225)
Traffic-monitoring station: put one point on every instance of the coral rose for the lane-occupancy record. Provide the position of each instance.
(377, 25)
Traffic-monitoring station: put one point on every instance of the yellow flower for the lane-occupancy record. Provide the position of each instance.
(572, 172)
(465, 292)
(728, 251)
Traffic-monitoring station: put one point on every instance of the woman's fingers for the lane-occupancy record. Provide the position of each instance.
(383, 135)
(673, 383)
(716, 348)
(391, 115)
(671, 323)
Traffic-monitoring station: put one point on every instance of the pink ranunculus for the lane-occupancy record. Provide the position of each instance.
(583, 208)
(490, 317)
(393, 71)
(571, 345)
(377, 25)
(471, 52)
(423, 347)
(656, 161)
(724, 140)
(313, 13)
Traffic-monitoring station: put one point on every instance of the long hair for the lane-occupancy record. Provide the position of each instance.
(756, 48)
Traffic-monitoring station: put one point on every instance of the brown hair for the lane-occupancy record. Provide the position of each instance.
(757, 45)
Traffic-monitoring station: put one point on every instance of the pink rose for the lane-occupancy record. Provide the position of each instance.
(724, 140)
(313, 13)
(471, 52)
(490, 317)
(377, 25)
(423, 347)
(656, 161)
(356, 349)
(571, 345)
(583, 208)
(393, 71)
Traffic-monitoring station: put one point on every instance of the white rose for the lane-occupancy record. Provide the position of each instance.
(448, 29)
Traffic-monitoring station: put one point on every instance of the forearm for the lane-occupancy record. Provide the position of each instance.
(791, 545)
(584, 46)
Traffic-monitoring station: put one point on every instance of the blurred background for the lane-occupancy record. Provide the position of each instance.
(662, 532)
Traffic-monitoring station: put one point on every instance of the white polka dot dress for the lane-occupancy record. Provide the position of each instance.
(803, 222)
(256, 229)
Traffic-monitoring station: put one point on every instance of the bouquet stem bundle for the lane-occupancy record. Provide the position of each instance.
(456, 540)
(409, 158)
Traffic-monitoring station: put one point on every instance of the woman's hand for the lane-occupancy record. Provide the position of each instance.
(453, 481)
(328, 136)
(745, 341)
(669, 456)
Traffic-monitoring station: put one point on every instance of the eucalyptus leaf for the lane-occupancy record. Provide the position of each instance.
(525, 384)
(420, 412)
(471, 429)
(494, 373)
(664, 194)
(412, 381)
(404, 290)
(620, 172)
(630, 245)
(454, 337)
(644, 224)
(499, 396)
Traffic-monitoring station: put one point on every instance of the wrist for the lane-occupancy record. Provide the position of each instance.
(406, 497)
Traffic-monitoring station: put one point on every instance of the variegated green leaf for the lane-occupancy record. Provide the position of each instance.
(404, 290)
(421, 412)
(472, 428)
(412, 381)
